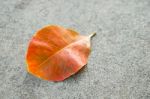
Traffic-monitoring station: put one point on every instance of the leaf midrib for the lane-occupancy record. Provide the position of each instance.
(62, 49)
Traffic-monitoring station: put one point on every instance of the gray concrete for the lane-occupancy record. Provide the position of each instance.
(118, 67)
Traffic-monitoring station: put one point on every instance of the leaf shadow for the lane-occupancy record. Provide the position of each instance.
(78, 75)
(31, 81)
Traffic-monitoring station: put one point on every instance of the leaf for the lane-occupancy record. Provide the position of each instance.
(55, 53)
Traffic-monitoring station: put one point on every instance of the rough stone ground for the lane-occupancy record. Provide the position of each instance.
(118, 67)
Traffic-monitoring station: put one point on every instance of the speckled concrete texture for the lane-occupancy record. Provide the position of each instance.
(119, 64)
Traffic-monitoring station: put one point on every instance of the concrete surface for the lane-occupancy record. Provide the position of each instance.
(118, 67)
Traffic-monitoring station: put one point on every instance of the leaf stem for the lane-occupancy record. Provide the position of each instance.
(91, 35)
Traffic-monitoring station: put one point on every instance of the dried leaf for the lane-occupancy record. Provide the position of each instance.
(55, 53)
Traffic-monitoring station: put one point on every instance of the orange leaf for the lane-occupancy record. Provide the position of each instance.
(55, 53)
